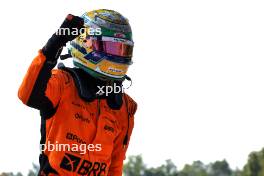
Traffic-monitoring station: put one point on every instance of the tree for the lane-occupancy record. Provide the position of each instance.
(255, 164)
(197, 168)
(34, 171)
(134, 166)
(220, 168)
(11, 174)
(237, 172)
(167, 169)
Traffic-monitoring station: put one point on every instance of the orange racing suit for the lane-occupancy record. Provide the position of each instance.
(68, 119)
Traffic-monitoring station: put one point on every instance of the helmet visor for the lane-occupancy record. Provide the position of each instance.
(113, 48)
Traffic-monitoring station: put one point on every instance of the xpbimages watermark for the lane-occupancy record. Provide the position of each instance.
(78, 148)
(76, 31)
(109, 89)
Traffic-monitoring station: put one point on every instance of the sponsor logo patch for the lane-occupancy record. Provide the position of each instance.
(82, 167)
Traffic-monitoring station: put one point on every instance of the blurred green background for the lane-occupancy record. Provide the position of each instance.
(135, 166)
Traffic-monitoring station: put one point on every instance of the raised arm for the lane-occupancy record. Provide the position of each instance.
(40, 88)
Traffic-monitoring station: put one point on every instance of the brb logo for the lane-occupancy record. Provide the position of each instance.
(72, 163)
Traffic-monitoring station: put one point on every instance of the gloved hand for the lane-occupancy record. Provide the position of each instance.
(66, 32)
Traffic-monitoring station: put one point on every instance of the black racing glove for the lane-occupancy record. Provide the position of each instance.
(68, 31)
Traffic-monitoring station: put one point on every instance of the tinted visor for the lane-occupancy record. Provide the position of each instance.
(113, 48)
(97, 56)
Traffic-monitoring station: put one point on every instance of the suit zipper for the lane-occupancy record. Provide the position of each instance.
(96, 125)
(98, 110)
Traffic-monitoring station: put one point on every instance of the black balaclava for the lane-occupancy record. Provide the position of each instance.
(88, 87)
